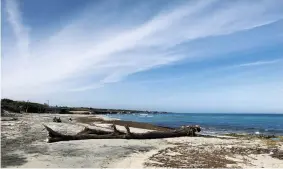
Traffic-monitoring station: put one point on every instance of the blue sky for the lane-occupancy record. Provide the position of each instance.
(179, 56)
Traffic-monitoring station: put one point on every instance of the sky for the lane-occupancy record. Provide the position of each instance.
(206, 56)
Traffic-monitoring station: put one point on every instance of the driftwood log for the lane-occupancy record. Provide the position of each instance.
(88, 133)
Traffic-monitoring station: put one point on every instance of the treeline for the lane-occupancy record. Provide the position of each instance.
(100, 109)
(22, 106)
(31, 107)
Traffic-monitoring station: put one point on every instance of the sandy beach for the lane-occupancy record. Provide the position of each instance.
(23, 144)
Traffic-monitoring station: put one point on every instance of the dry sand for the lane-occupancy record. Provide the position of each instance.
(23, 145)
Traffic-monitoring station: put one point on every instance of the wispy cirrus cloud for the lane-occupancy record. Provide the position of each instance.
(20, 30)
(82, 56)
(258, 63)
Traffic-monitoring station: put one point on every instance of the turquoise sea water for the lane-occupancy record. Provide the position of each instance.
(214, 123)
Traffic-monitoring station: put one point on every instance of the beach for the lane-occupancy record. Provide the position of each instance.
(23, 144)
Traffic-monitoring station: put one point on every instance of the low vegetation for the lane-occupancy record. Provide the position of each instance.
(31, 107)
(252, 136)
(270, 143)
(210, 156)
(22, 106)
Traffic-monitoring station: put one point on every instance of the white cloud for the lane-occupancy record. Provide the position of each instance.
(258, 63)
(80, 58)
(20, 30)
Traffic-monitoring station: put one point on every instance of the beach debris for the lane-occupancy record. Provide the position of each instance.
(57, 120)
(88, 133)
(277, 154)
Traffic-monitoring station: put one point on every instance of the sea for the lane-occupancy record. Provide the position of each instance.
(213, 123)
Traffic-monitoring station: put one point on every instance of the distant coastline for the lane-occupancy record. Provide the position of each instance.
(32, 107)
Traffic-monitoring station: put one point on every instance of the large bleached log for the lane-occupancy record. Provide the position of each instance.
(55, 136)
(185, 131)
(116, 134)
(100, 132)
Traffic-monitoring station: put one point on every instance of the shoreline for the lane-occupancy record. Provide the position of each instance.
(25, 146)
(208, 133)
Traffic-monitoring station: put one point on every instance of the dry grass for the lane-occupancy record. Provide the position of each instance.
(186, 156)
(253, 136)
(280, 138)
(270, 143)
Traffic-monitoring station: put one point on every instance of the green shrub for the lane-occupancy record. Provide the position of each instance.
(64, 111)
(18, 106)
